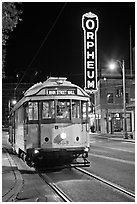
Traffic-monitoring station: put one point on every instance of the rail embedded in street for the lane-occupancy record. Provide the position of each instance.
(58, 191)
(107, 182)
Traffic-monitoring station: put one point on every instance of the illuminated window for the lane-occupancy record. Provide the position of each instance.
(75, 109)
(48, 109)
(33, 111)
(63, 109)
(84, 110)
(45, 110)
(110, 97)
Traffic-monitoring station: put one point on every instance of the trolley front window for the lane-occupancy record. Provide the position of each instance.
(63, 109)
(48, 109)
(75, 109)
(58, 110)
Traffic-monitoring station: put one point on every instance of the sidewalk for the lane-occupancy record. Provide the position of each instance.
(115, 136)
(11, 177)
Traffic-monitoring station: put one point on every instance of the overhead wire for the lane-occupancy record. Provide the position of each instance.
(45, 39)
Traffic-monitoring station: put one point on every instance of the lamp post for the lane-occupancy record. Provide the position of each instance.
(122, 66)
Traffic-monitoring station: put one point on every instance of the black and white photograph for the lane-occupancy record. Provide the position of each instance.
(68, 101)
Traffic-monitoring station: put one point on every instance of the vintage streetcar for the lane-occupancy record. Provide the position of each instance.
(49, 125)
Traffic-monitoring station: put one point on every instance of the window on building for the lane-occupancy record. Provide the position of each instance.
(118, 93)
(110, 97)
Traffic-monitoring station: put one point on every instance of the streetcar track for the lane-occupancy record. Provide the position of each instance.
(58, 191)
(65, 198)
(115, 186)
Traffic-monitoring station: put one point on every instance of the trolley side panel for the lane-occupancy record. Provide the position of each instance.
(19, 138)
(32, 136)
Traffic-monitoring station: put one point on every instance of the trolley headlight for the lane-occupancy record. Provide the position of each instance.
(63, 135)
(86, 149)
(36, 151)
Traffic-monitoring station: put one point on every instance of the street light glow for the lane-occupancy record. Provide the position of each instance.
(112, 65)
(14, 101)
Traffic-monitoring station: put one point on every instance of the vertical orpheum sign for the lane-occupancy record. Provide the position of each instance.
(90, 27)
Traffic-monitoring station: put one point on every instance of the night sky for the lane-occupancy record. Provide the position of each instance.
(49, 40)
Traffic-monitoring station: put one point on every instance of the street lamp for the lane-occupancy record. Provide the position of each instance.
(12, 103)
(112, 66)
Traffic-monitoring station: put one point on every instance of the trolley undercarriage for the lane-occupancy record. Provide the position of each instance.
(48, 158)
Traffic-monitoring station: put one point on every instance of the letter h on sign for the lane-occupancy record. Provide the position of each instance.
(90, 27)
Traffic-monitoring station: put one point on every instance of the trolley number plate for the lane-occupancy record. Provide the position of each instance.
(64, 142)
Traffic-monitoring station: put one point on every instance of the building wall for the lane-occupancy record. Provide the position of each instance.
(111, 111)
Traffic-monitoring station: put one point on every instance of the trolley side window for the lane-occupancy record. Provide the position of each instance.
(33, 110)
(63, 109)
(48, 109)
(84, 110)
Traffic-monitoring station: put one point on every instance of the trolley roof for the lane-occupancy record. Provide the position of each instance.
(38, 90)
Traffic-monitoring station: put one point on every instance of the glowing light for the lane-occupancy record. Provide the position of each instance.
(14, 101)
(90, 27)
(86, 149)
(63, 135)
(36, 151)
(112, 66)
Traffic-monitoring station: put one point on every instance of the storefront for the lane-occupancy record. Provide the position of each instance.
(117, 120)
(131, 108)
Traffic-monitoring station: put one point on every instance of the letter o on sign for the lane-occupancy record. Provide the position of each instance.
(90, 24)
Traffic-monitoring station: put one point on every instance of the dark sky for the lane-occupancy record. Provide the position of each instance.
(39, 49)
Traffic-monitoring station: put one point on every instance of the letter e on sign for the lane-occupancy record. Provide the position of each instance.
(90, 27)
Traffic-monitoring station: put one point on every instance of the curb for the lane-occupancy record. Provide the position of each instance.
(10, 196)
(113, 137)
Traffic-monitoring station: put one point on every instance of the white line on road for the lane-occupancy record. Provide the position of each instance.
(114, 159)
(128, 142)
(124, 150)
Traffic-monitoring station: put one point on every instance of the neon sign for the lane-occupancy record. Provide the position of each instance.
(90, 27)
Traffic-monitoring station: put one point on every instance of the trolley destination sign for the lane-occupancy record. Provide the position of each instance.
(60, 92)
(90, 27)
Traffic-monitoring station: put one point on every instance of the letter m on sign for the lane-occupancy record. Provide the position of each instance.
(90, 27)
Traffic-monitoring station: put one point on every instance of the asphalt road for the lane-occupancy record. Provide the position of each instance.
(110, 159)
(113, 160)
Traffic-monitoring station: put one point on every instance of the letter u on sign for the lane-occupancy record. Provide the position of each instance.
(90, 27)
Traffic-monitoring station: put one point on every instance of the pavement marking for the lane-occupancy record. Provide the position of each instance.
(113, 148)
(112, 158)
(123, 150)
(128, 142)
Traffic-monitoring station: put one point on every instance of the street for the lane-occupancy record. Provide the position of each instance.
(111, 159)
(68, 102)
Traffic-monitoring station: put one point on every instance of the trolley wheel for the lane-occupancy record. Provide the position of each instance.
(19, 153)
(29, 162)
(23, 156)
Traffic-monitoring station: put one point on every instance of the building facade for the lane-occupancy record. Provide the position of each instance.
(109, 115)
